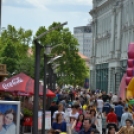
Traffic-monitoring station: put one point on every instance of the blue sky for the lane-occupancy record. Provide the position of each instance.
(31, 14)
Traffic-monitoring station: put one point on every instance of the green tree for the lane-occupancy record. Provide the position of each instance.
(20, 38)
(9, 57)
(19, 41)
(72, 67)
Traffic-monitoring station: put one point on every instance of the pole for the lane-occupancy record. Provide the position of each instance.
(44, 94)
(0, 13)
(51, 76)
(115, 82)
(36, 87)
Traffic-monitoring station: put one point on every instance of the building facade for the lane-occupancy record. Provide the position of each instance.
(84, 36)
(113, 30)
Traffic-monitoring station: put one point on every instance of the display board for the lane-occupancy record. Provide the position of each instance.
(47, 120)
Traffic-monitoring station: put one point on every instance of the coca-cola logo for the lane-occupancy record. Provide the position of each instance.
(14, 82)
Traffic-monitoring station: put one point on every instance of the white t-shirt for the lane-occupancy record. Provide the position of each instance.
(115, 98)
(56, 112)
(74, 115)
(99, 103)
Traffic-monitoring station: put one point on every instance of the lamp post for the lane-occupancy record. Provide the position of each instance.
(46, 53)
(0, 13)
(36, 84)
(50, 69)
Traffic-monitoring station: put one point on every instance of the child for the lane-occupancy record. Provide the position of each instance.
(2, 129)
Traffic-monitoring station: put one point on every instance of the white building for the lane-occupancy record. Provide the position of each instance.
(84, 36)
(112, 29)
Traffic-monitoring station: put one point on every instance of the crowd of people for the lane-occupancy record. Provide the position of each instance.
(79, 111)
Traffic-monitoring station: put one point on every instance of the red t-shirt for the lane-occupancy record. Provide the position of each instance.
(111, 118)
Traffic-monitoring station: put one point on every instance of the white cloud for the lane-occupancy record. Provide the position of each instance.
(41, 15)
(53, 2)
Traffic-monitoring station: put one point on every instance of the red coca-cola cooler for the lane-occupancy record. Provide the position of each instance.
(28, 121)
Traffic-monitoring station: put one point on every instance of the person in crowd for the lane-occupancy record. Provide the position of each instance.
(60, 110)
(58, 95)
(93, 118)
(92, 100)
(53, 108)
(10, 120)
(87, 129)
(2, 129)
(112, 119)
(100, 104)
(119, 111)
(110, 96)
(104, 122)
(125, 116)
(111, 130)
(77, 126)
(93, 131)
(115, 99)
(105, 97)
(51, 131)
(60, 125)
(74, 111)
(107, 107)
(86, 112)
(128, 129)
(78, 102)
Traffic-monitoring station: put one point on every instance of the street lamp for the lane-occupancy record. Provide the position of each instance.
(0, 13)
(50, 69)
(38, 47)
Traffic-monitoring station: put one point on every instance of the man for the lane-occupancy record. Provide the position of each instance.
(119, 111)
(112, 119)
(107, 107)
(128, 129)
(100, 104)
(105, 97)
(86, 127)
(125, 115)
(115, 99)
(53, 108)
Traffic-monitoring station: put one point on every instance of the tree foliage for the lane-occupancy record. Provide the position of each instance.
(72, 69)
(14, 45)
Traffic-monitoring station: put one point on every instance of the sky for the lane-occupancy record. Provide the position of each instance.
(31, 14)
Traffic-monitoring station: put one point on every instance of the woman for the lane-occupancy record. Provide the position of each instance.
(111, 130)
(74, 112)
(60, 125)
(78, 123)
(93, 118)
(60, 110)
(10, 120)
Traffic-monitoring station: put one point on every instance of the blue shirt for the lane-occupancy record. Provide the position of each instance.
(119, 110)
(61, 126)
(124, 117)
(106, 108)
(83, 131)
(7, 126)
(3, 131)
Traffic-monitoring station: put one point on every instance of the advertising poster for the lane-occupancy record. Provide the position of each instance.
(47, 120)
(9, 117)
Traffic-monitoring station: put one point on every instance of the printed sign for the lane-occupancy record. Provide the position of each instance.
(47, 120)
